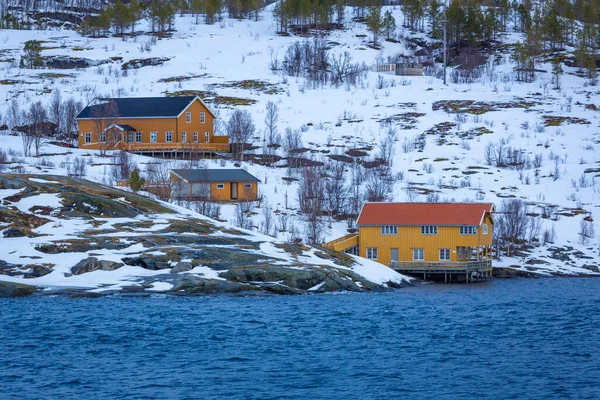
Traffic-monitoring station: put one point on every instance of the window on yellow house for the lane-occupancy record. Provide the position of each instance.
(429, 230)
(389, 230)
(372, 253)
(444, 254)
(418, 254)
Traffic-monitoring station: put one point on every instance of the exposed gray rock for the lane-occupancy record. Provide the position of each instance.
(93, 264)
(182, 266)
(35, 271)
(153, 263)
(9, 289)
(188, 284)
(66, 62)
(9, 269)
(13, 233)
(146, 62)
(323, 278)
(502, 272)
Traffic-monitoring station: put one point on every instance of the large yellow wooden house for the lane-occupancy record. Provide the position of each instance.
(149, 124)
(418, 237)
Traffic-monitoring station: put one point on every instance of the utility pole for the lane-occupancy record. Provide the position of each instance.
(445, 43)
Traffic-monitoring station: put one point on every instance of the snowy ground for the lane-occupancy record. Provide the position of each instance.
(61, 229)
(237, 50)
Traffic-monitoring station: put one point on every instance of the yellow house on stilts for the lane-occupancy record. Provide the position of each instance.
(442, 241)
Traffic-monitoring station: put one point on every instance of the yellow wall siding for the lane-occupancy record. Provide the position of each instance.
(195, 125)
(161, 126)
(225, 193)
(410, 237)
(144, 125)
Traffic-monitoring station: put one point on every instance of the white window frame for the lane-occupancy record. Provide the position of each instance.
(195, 137)
(153, 136)
(88, 137)
(463, 253)
(468, 230)
(220, 186)
(418, 254)
(247, 186)
(102, 137)
(129, 135)
(168, 136)
(389, 230)
(444, 254)
(484, 229)
(202, 117)
(372, 253)
(206, 137)
(138, 137)
(188, 117)
(429, 230)
(183, 136)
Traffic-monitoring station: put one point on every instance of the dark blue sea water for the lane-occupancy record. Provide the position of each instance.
(508, 339)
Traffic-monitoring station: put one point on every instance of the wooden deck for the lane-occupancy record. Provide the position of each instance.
(218, 146)
(176, 148)
(472, 270)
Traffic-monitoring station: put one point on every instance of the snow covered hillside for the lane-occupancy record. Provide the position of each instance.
(492, 140)
(71, 235)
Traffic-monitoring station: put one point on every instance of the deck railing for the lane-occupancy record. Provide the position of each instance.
(178, 147)
(477, 265)
(342, 243)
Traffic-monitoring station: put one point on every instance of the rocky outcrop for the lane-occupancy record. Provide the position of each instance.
(146, 62)
(93, 264)
(150, 262)
(182, 266)
(299, 280)
(193, 285)
(9, 289)
(144, 233)
(501, 272)
(66, 62)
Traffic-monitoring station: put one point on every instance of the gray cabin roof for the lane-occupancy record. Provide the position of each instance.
(215, 175)
(126, 127)
(138, 107)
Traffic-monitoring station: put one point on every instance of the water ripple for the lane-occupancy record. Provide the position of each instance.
(500, 340)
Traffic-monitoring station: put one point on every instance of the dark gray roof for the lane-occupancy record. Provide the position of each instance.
(216, 175)
(126, 127)
(138, 107)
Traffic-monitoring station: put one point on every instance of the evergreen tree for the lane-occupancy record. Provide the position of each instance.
(196, 7)
(433, 12)
(340, 7)
(414, 11)
(557, 72)
(32, 57)
(134, 13)
(552, 29)
(455, 17)
(119, 14)
(524, 63)
(136, 182)
(389, 24)
(591, 69)
(213, 7)
(375, 23)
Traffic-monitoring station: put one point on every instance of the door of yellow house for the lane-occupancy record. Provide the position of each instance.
(234, 187)
(394, 255)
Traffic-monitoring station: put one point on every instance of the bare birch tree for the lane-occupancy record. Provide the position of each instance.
(103, 116)
(241, 129)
